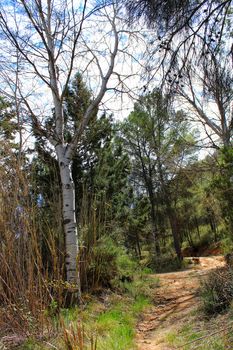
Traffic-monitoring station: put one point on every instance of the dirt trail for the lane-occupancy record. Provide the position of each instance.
(175, 298)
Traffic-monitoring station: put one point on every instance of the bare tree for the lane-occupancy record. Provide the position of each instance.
(206, 87)
(191, 45)
(51, 37)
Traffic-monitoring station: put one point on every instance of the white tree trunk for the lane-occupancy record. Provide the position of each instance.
(52, 27)
(69, 220)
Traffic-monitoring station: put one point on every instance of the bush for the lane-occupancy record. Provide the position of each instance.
(126, 266)
(166, 263)
(227, 245)
(217, 290)
(142, 287)
(102, 267)
(108, 264)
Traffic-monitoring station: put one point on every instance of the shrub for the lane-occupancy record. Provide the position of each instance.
(217, 290)
(141, 287)
(108, 264)
(227, 245)
(166, 263)
(102, 267)
(126, 266)
(205, 241)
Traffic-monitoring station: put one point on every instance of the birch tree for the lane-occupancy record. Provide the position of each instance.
(53, 39)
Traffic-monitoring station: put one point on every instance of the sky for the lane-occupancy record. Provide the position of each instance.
(93, 50)
(92, 56)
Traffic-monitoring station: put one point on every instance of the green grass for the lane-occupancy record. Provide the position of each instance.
(117, 328)
(113, 320)
(116, 325)
(187, 337)
(141, 287)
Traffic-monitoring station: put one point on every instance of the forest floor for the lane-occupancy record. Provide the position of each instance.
(176, 300)
(170, 321)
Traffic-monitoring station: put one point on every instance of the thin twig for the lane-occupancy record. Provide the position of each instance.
(51, 345)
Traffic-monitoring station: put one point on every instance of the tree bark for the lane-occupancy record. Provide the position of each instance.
(138, 248)
(149, 184)
(170, 213)
(69, 221)
(155, 230)
(174, 227)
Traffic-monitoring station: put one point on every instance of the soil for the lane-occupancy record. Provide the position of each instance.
(174, 301)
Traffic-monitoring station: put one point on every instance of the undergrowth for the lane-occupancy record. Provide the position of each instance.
(216, 291)
(105, 322)
(109, 325)
(203, 331)
(202, 335)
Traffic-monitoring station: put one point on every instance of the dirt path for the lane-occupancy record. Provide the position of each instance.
(175, 298)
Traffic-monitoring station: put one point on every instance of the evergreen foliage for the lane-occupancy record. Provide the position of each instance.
(159, 142)
(135, 191)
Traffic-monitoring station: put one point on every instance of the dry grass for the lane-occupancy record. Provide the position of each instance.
(74, 337)
(26, 289)
(32, 283)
